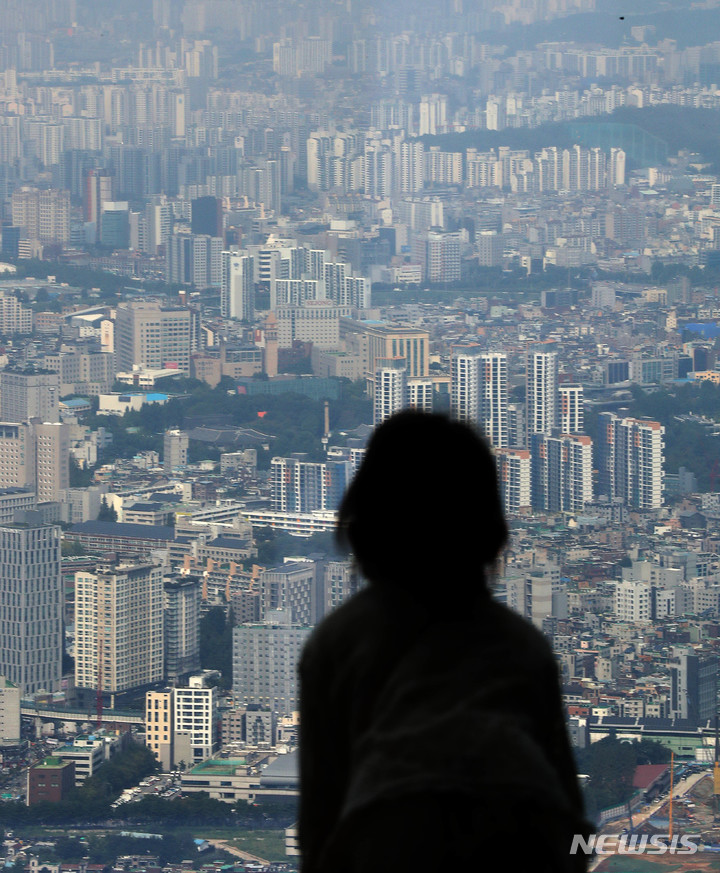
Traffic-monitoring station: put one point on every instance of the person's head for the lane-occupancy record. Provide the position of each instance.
(424, 507)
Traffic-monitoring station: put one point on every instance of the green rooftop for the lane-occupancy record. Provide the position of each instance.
(215, 766)
(52, 761)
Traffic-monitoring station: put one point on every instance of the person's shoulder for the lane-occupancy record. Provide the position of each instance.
(338, 630)
(518, 630)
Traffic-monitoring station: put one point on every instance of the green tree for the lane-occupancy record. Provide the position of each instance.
(216, 643)
(107, 512)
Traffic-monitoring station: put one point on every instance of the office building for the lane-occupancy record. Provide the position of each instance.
(237, 290)
(693, 685)
(31, 594)
(118, 629)
(314, 321)
(115, 225)
(294, 586)
(52, 460)
(630, 459)
(339, 580)
(17, 456)
(28, 395)
(465, 364)
(373, 341)
(541, 393)
(154, 336)
(206, 216)
(265, 659)
(98, 191)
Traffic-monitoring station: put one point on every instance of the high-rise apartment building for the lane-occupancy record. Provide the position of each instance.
(14, 317)
(479, 391)
(42, 215)
(181, 624)
(570, 399)
(514, 476)
(194, 259)
(175, 450)
(630, 459)
(541, 392)
(438, 253)
(308, 486)
(465, 382)
(118, 628)
(151, 334)
(561, 472)
(31, 594)
(391, 388)
(195, 720)
(98, 190)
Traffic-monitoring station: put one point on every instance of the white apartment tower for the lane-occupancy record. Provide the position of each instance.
(465, 382)
(630, 456)
(195, 720)
(570, 399)
(237, 290)
(391, 388)
(479, 391)
(514, 479)
(561, 472)
(31, 593)
(541, 392)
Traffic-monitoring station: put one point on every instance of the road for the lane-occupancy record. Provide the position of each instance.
(238, 853)
(642, 815)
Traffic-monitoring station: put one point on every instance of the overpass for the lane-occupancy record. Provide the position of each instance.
(114, 719)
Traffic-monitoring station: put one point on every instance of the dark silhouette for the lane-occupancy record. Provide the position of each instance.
(432, 730)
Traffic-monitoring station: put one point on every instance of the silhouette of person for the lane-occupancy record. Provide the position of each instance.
(431, 730)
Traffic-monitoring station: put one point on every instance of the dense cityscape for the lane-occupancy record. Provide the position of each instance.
(235, 237)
